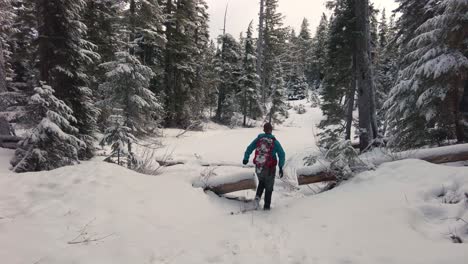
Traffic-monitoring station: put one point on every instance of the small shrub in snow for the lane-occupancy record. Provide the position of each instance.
(52, 143)
(314, 99)
(206, 175)
(119, 137)
(300, 109)
(341, 158)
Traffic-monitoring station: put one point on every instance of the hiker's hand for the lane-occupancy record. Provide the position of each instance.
(245, 162)
(281, 173)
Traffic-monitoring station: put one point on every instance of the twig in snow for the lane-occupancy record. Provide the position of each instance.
(83, 234)
(456, 219)
(189, 128)
(87, 240)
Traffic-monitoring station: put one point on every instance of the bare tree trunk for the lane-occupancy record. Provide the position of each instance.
(364, 75)
(457, 99)
(260, 46)
(2, 70)
(244, 110)
(350, 107)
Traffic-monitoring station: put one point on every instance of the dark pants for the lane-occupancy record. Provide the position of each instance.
(266, 181)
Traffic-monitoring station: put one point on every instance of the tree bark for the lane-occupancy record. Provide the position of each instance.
(260, 43)
(366, 102)
(458, 104)
(3, 82)
(350, 106)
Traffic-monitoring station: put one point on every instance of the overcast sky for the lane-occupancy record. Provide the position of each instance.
(241, 12)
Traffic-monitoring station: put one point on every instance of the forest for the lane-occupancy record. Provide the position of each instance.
(127, 120)
(71, 69)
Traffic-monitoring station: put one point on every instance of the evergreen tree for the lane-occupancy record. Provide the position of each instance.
(338, 86)
(274, 45)
(24, 47)
(102, 23)
(145, 23)
(319, 50)
(250, 81)
(278, 109)
(424, 106)
(127, 88)
(52, 143)
(62, 55)
(383, 31)
(305, 55)
(386, 71)
(229, 72)
(202, 85)
(180, 54)
(6, 18)
(210, 80)
(136, 110)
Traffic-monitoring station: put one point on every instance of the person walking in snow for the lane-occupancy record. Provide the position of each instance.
(266, 147)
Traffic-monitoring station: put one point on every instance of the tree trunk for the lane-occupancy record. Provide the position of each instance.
(464, 108)
(245, 107)
(3, 84)
(260, 46)
(364, 75)
(350, 106)
(457, 100)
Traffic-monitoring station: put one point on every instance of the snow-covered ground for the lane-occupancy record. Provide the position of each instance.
(95, 212)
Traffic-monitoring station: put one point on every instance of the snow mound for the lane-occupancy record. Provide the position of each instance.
(404, 212)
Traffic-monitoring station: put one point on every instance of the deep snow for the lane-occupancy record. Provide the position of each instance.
(401, 213)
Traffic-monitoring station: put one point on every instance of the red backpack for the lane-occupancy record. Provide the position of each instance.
(263, 153)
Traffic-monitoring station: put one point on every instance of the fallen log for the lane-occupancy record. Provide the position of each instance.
(9, 142)
(321, 173)
(169, 163)
(7, 138)
(323, 176)
(241, 185)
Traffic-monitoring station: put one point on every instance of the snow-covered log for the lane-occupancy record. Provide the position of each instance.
(248, 184)
(439, 155)
(321, 173)
(323, 176)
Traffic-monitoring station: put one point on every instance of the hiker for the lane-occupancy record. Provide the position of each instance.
(266, 147)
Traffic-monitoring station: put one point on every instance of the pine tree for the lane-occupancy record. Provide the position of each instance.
(145, 23)
(338, 85)
(278, 109)
(305, 55)
(6, 18)
(229, 72)
(210, 80)
(180, 57)
(202, 86)
(136, 110)
(52, 143)
(424, 106)
(386, 69)
(127, 88)
(24, 47)
(319, 50)
(274, 45)
(250, 81)
(63, 52)
(383, 31)
(102, 23)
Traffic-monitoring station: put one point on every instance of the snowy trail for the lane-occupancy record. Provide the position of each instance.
(401, 213)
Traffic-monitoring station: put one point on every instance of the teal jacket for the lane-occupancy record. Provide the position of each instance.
(277, 149)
